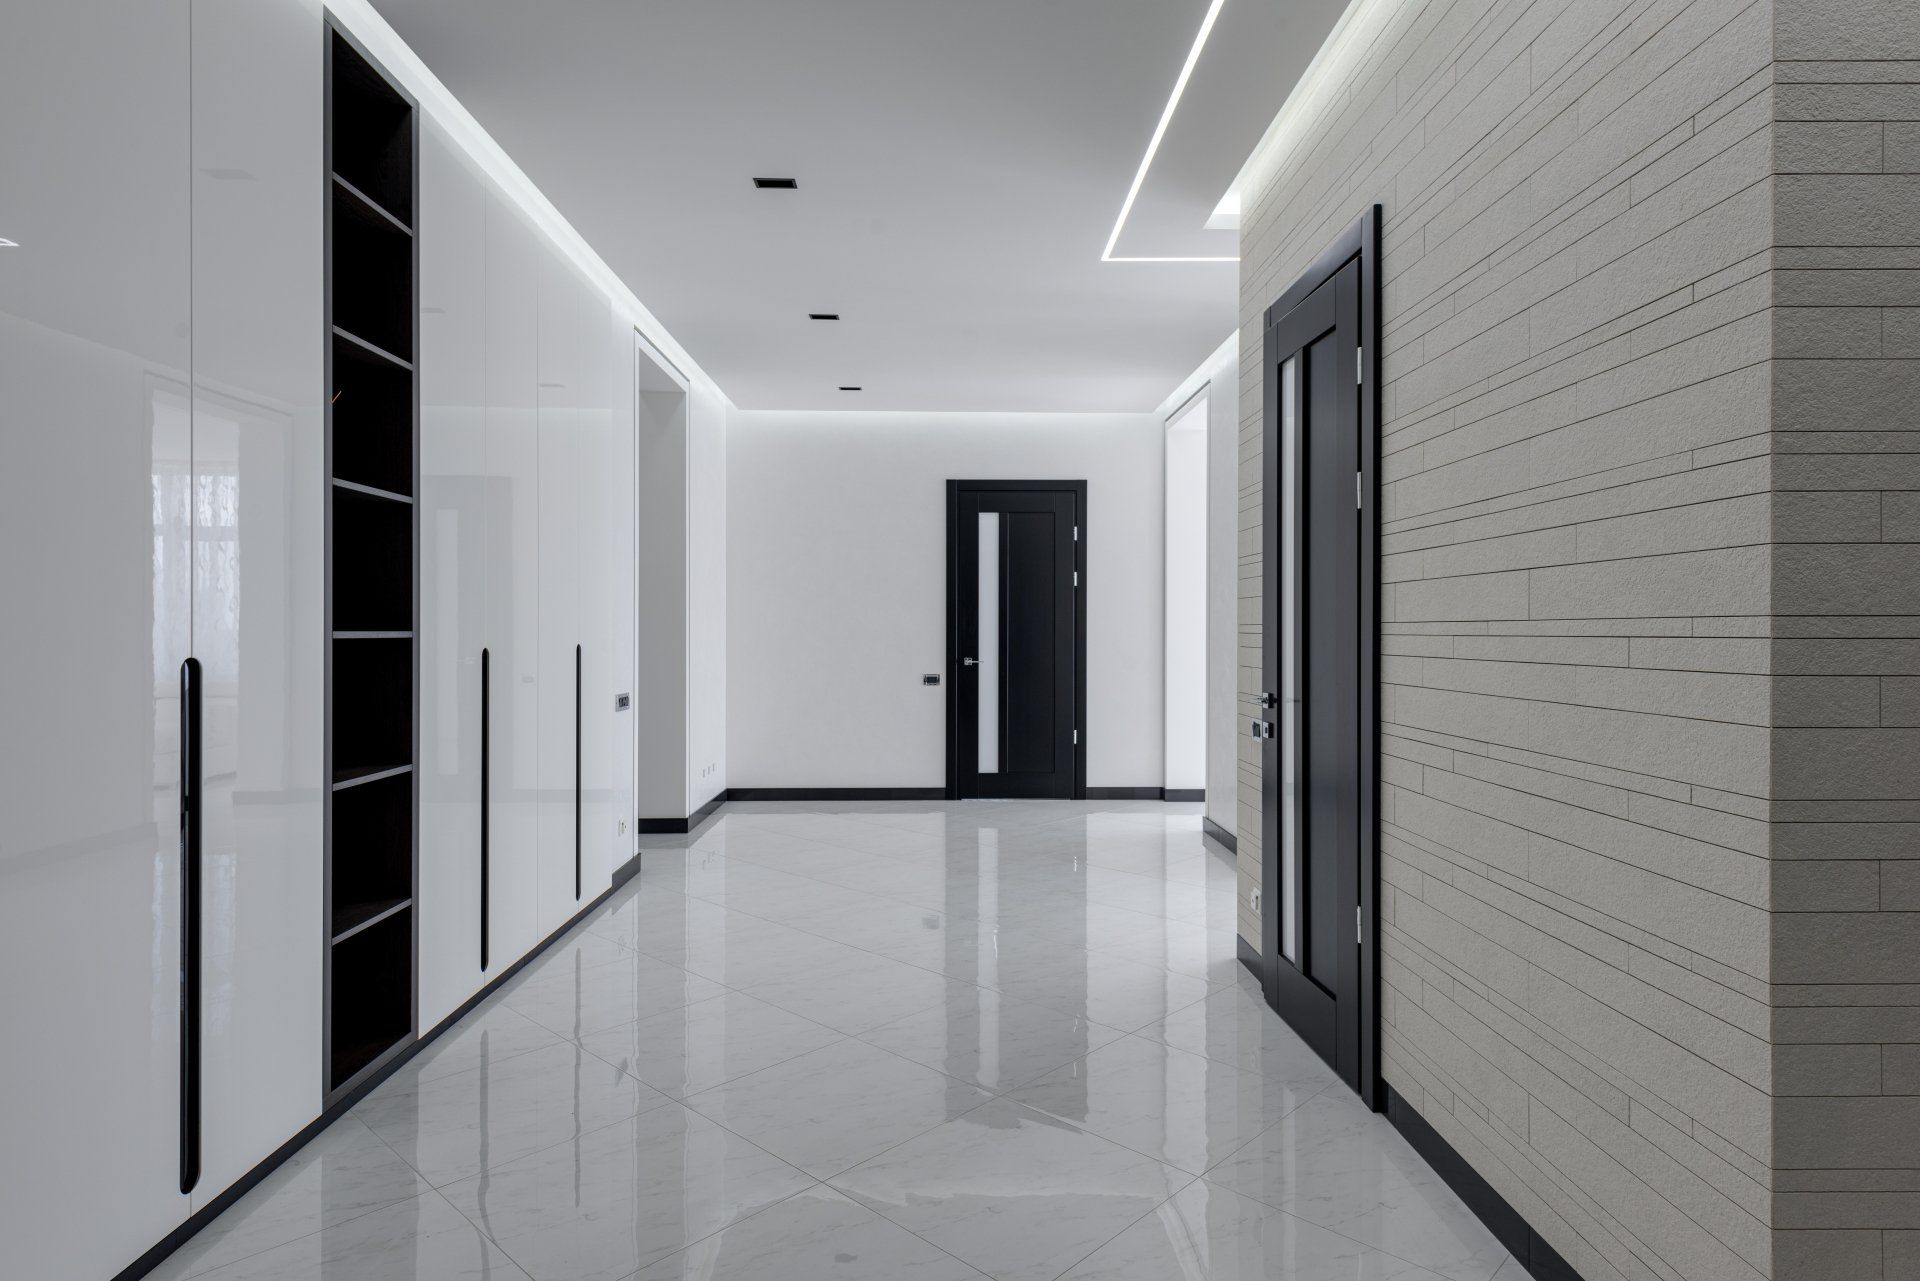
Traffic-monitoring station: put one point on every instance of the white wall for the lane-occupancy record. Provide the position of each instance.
(1185, 567)
(1220, 377)
(836, 558)
(681, 504)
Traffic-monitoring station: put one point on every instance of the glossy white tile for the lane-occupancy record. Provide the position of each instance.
(1206, 1233)
(863, 1040)
(347, 1171)
(1176, 1107)
(710, 1042)
(832, 1108)
(611, 1200)
(813, 1234)
(455, 1126)
(1018, 1194)
(991, 1039)
(1335, 1164)
(423, 1239)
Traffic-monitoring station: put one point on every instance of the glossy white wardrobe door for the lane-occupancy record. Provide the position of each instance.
(259, 464)
(94, 487)
(623, 584)
(513, 584)
(562, 467)
(597, 592)
(455, 550)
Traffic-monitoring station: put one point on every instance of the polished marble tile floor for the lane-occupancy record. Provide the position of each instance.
(862, 1042)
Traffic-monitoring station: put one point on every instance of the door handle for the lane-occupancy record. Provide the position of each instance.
(190, 833)
(971, 662)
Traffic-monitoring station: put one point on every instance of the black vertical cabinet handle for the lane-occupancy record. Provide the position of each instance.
(189, 924)
(486, 799)
(576, 773)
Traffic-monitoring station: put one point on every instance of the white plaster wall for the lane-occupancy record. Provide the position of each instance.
(836, 557)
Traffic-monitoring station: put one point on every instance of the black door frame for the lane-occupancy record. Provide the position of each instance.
(1360, 242)
(955, 644)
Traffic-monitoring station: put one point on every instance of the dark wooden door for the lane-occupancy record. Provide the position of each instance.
(1314, 777)
(1015, 556)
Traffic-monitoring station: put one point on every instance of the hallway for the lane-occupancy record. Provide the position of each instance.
(871, 1041)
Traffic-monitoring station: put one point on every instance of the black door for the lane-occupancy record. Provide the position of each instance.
(1314, 734)
(1015, 560)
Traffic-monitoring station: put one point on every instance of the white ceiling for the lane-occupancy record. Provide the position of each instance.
(961, 165)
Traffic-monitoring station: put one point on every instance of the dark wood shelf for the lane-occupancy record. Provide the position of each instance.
(373, 349)
(345, 776)
(354, 917)
(373, 604)
(372, 491)
(366, 206)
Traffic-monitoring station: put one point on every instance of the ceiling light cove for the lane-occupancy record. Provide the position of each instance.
(777, 184)
(8, 244)
(1153, 144)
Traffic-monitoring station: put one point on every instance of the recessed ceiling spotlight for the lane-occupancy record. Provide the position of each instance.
(777, 184)
(823, 315)
(852, 389)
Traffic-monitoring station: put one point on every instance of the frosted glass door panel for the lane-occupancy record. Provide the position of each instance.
(1289, 665)
(987, 643)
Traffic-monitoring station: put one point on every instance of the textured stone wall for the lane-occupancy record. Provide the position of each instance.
(1846, 649)
(1578, 528)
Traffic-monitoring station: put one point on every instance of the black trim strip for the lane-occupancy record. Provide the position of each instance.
(1527, 1246)
(486, 803)
(576, 773)
(1220, 834)
(1183, 794)
(158, 1254)
(680, 826)
(836, 793)
(190, 818)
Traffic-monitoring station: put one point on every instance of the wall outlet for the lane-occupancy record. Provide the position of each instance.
(1253, 901)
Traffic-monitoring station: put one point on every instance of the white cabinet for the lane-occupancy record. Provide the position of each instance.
(458, 535)
(258, 482)
(563, 454)
(95, 500)
(513, 585)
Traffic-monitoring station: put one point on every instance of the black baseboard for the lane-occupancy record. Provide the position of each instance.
(1183, 794)
(677, 826)
(836, 793)
(1220, 834)
(1146, 794)
(1249, 957)
(1541, 1260)
(157, 1255)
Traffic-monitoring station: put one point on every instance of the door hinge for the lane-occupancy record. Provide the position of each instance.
(1076, 578)
(1359, 491)
(1076, 738)
(1359, 927)
(1360, 366)
(1076, 533)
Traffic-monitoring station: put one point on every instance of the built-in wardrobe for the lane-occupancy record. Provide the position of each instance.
(171, 642)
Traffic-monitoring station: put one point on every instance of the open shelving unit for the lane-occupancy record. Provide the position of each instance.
(373, 455)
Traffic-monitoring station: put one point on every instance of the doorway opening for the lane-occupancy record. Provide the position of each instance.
(1184, 671)
(1016, 639)
(1319, 616)
(659, 660)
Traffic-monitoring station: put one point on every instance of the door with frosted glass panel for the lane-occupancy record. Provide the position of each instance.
(1016, 665)
(1310, 718)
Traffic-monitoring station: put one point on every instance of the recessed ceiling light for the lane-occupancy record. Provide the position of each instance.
(777, 184)
(851, 389)
(823, 315)
(8, 244)
(1153, 144)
